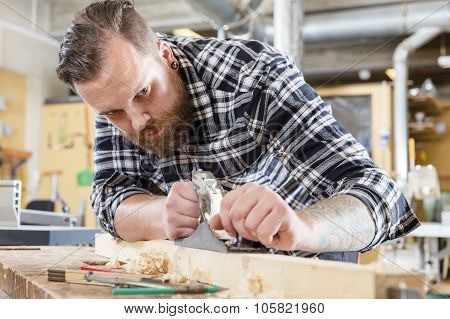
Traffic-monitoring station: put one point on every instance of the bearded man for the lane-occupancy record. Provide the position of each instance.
(296, 180)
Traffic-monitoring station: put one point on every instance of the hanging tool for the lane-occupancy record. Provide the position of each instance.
(209, 194)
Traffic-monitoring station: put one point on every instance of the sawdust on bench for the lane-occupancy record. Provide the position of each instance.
(157, 264)
(153, 263)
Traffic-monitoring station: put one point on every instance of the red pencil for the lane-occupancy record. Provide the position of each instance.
(96, 268)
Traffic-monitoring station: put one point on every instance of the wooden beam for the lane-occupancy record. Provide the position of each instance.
(23, 272)
(265, 275)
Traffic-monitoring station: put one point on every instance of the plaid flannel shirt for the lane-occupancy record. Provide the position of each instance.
(257, 121)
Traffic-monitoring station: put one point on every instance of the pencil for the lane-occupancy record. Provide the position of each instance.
(197, 289)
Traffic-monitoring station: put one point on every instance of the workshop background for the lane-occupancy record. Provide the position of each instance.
(383, 65)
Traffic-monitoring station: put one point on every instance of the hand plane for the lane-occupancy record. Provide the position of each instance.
(209, 194)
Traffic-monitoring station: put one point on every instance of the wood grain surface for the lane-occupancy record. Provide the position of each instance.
(277, 276)
(23, 273)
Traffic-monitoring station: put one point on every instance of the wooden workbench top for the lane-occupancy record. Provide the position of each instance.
(23, 272)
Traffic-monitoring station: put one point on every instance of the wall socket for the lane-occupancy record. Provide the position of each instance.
(5, 129)
(2, 103)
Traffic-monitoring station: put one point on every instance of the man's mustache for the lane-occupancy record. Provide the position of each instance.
(150, 127)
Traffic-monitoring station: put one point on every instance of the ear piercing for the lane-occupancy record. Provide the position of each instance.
(174, 65)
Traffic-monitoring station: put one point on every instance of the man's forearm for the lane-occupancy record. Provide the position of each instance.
(139, 217)
(339, 223)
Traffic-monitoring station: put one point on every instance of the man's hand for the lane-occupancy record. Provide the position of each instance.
(339, 223)
(257, 213)
(181, 211)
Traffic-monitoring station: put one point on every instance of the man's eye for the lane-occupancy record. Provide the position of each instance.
(143, 92)
(112, 113)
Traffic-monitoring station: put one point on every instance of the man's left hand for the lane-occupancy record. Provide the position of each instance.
(257, 213)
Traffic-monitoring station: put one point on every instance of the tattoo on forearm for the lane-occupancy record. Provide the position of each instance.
(343, 223)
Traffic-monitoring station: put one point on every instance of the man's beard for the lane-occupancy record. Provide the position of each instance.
(175, 124)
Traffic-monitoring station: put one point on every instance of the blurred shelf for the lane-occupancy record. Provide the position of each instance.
(433, 230)
(425, 102)
(11, 160)
(426, 132)
(13, 155)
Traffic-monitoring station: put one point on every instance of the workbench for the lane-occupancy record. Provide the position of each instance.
(431, 255)
(23, 272)
(253, 275)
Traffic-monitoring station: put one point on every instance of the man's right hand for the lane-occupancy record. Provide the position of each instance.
(181, 211)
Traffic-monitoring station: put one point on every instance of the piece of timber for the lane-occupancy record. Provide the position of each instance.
(276, 276)
(23, 273)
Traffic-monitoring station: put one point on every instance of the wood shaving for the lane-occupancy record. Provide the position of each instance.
(150, 263)
(113, 263)
(153, 263)
(200, 276)
(255, 285)
(94, 262)
(175, 278)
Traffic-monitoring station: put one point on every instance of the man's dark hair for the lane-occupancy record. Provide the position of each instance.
(82, 51)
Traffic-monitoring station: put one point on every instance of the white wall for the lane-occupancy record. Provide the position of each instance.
(35, 55)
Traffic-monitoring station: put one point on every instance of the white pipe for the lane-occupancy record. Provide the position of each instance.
(377, 21)
(400, 59)
(34, 14)
(381, 21)
(287, 17)
(54, 187)
(224, 13)
(221, 34)
(299, 24)
(46, 15)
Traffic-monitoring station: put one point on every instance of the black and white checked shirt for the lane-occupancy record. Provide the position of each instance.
(257, 121)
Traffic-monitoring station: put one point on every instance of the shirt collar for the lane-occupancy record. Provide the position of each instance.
(196, 89)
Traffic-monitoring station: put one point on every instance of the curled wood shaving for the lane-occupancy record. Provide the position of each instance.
(93, 262)
(113, 263)
(150, 263)
(175, 278)
(153, 263)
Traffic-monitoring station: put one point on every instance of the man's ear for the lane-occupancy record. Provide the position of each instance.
(165, 52)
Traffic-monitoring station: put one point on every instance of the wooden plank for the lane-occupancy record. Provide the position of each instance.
(264, 275)
(23, 273)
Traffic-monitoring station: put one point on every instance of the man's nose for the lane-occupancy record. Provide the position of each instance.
(139, 120)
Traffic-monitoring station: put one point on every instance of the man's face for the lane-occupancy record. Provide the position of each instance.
(140, 95)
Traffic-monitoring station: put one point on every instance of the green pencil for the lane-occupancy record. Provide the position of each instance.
(197, 289)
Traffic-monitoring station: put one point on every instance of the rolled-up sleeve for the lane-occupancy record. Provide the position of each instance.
(324, 157)
(118, 173)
